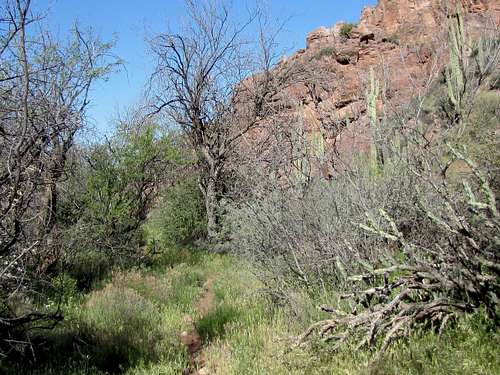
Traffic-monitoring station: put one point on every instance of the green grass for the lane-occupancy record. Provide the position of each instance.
(132, 325)
(346, 30)
(325, 52)
(468, 348)
(212, 325)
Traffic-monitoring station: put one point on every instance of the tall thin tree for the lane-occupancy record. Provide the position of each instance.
(216, 85)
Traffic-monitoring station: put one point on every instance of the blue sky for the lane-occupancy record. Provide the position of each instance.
(130, 21)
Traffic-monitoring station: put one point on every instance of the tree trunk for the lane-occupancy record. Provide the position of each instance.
(212, 207)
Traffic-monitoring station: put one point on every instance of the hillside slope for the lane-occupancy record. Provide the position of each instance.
(402, 41)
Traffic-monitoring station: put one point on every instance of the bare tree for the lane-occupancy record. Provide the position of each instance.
(217, 86)
(44, 89)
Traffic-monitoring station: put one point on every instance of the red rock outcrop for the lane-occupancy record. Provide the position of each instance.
(400, 40)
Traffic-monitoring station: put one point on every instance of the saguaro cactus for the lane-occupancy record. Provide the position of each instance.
(318, 145)
(300, 150)
(372, 94)
(308, 149)
(456, 72)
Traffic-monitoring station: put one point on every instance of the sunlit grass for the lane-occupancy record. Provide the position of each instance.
(133, 323)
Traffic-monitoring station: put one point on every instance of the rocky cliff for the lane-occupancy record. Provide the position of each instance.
(401, 41)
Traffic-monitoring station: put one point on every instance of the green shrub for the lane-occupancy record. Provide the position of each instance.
(66, 287)
(346, 30)
(88, 267)
(106, 199)
(327, 51)
(180, 218)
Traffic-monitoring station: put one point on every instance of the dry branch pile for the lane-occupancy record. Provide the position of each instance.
(453, 267)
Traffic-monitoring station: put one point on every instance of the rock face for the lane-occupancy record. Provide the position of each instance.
(418, 18)
(401, 41)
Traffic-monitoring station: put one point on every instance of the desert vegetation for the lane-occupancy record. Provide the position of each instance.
(219, 230)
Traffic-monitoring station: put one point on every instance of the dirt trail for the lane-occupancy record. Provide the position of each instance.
(191, 339)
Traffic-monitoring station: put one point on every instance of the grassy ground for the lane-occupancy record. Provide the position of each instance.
(133, 325)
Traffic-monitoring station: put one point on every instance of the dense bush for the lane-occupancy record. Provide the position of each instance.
(422, 245)
(179, 219)
(107, 199)
(292, 232)
(346, 30)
